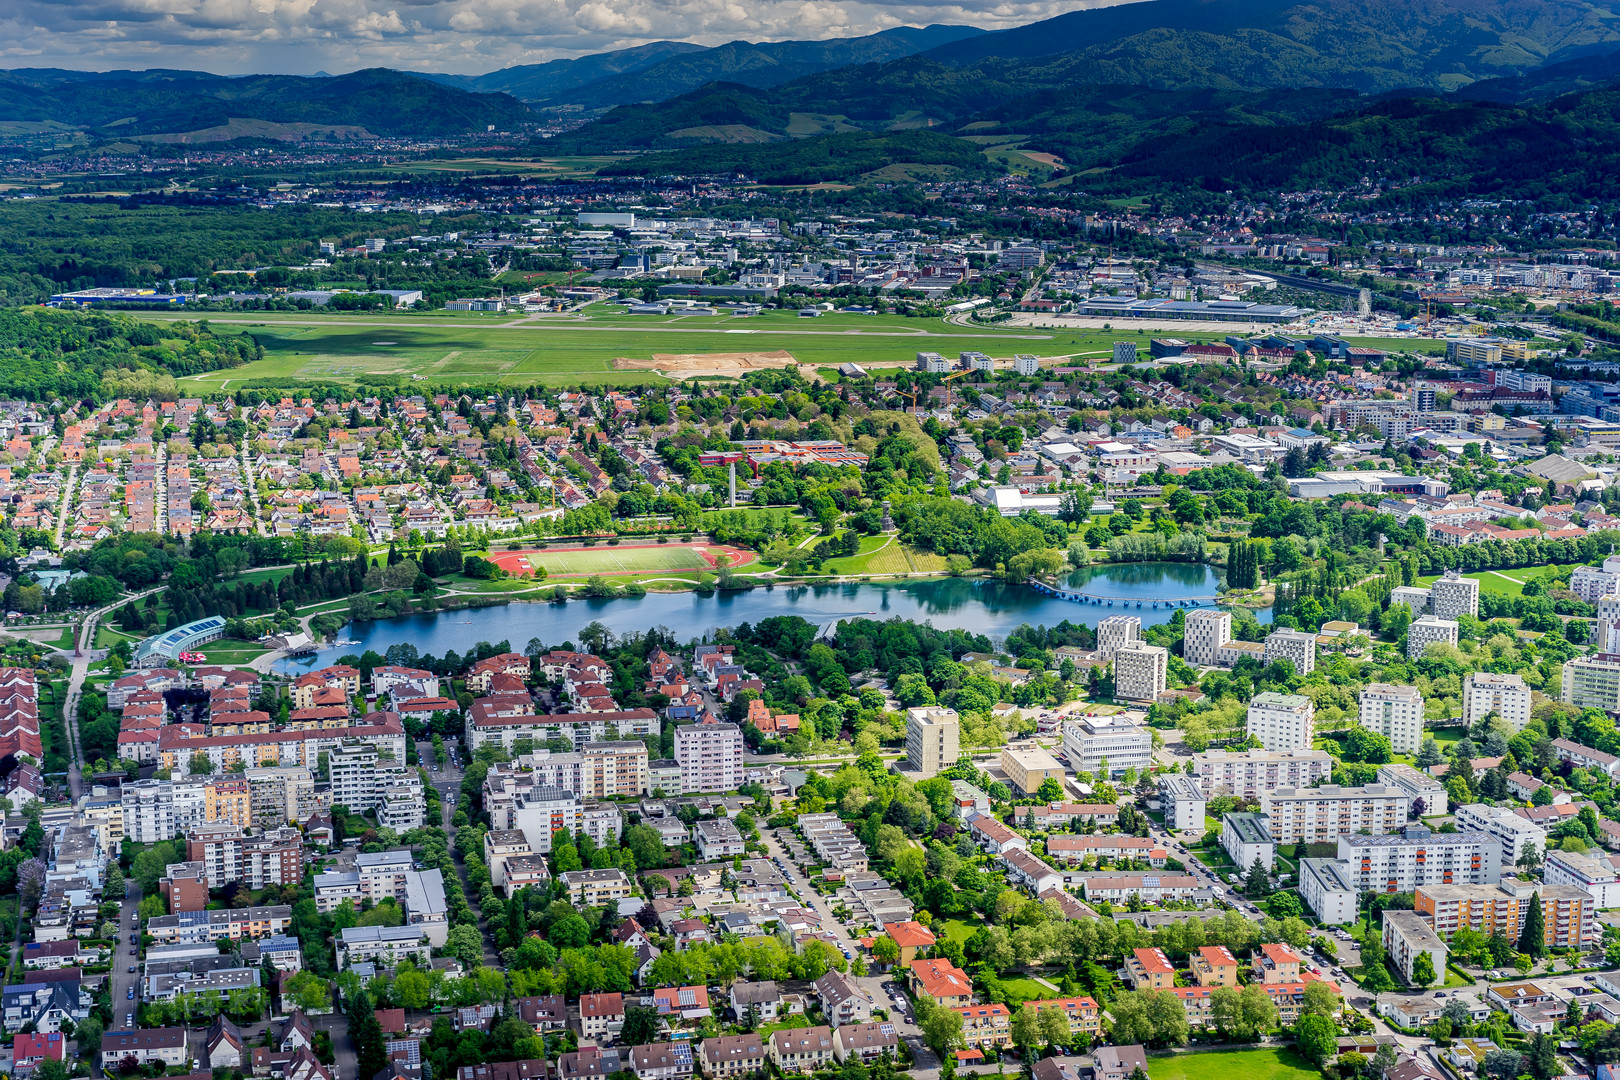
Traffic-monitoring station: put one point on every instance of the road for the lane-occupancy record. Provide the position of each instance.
(882, 990)
(65, 504)
(83, 657)
(447, 781)
(122, 980)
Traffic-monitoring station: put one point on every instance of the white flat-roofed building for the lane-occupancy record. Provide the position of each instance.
(933, 740)
(711, 756)
(1416, 856)
(383, 945)
(1595, 874)
(1322, 814)
(1141, 671)
(1327, 889)
(1118, 740)
(1430, 630)
(1116, 632)
(1453, 595)
(1184, 802)
(1486, 692)
(1250, 773)
(1414, 597)
(1418, 786)
(1294, 645)
(1028, 769)
(1406, 937)
(1395, 712)
(1207, 630)
(1510, 830)
(1246, 838)
(1282, 721)
(1592, 682)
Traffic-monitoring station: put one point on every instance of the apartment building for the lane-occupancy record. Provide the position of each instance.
(1028, 769)
(1083, 1013)
(1415, 857)
(1282, 721)
(726, 1056)
(1321, 815)
(1593, 682)
(796, 1050)
(1485, 692)
(592, 888)
(1214, 965)
(353, 771)
(1452, 596)
(1141, 671)
(1248, 774)
(1116, 632)
(540, 813)
(1184, 802)
(1406, 937)
(1395, 712)
(1429, 630)
(1426, 793)
(1247, 839)
(710, 755)
(1295, 646)
(1512, 832)
(1328, 889)
(490, 723)
(1568, 912)
(1091, 741)
(1207, 630)
(1595, 875)
(228, 853)
(933, 740)
(283, 796)
(1149, 969)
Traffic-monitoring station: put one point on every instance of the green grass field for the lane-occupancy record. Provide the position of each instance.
(1505, 582)
(1276, 1064)
(513, 349)
(618, 560)
(886, 555)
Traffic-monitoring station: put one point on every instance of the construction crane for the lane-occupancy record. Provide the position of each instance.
(947, 383)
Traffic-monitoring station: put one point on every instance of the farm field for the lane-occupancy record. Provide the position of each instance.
(565, 562)
(1276, 1064)
(582, 349)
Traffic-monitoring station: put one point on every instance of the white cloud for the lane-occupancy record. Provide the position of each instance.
(466, 36)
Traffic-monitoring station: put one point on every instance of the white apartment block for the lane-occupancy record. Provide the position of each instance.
(1395, 712)
(1415, 784)
(1282, 721)
(933, 740)
(1426, 631)
(1407, 935)
(1326, 887)
(1413, 596)
(1090, 741)
(1606, 634)
(1206, 631)
(540, 813)
(1590, 682)
(1486, 692)
(1595, 875)
(1184, 802)
(1250, 773)
(1509, 829)
(1295, 645)
(1323, 814)
(1116, 632)
(1141, 671)
(1415, 856)
(1453, 595)
(710, 755)
(353, 772)
(1592, 582)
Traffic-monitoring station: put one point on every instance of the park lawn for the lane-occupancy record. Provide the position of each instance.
(1504, 582)
(232, 652)
(1445, 735)
(64, 640)
(1018, 990)
(1275, 1064)
(619, 560)
(956, 930)
(107, 637)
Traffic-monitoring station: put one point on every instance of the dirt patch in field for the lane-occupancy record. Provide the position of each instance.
(724, 364)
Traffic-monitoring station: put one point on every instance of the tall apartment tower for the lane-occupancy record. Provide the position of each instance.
(1115, 632)
(710, 755)
(1206, 631)
(1486, 692)
(933, 740)
(1295, 645)
(1141, 671)
(1606, 635)
(1427, 631)
(1395, 712)
(1282, 721)
(1453, 595)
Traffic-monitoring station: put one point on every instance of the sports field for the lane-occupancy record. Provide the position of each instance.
(602, 346)
(624, 559)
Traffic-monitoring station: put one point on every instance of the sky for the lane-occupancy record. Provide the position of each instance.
(304, 37)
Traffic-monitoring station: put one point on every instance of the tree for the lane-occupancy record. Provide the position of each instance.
(466, 944)
(1544, 1057)
(88, 1036)
(1429, 754)
(1316, 1037)
(1533, 938)
(1258, 882)
(1131, 1021)
(942, 1031)
(648, 848)
(114, 887)
(640, 1026)
(1226, 1010)
(1025, 1029)
(1320, 1000)
(885, 951)
(309, 992)
(1529, 856)
(1423, 970)
(1055, 1030)
(1503, 1064)
(1375, 977)
(201, 764)
(1258, 1011)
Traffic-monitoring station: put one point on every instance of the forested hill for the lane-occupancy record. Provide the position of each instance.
(133, 104)
(1237, 45)
(46, 353)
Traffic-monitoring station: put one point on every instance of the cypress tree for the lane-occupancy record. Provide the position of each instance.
(1533, 938)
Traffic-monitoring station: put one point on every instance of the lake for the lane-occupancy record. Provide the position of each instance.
(983, 607)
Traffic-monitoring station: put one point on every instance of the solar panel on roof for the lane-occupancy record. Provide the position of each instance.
(687, 996)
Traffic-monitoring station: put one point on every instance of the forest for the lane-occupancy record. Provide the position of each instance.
(47, 354)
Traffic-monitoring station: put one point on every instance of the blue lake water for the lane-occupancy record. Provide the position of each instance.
(983, 607)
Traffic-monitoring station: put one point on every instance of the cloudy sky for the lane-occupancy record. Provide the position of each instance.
(464, 36)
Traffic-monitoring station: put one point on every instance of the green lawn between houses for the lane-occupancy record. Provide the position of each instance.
(1276, 1064)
